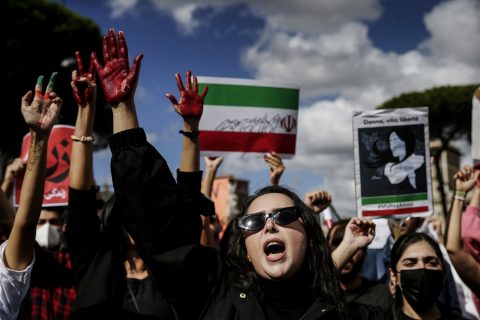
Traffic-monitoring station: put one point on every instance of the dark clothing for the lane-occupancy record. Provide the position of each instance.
(52, 291)
(97, 259)
(162, 216)
(229, 302)
(370, 293)
(445, 315)
(192, 276)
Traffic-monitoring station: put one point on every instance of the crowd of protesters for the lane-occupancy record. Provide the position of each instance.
(156, 249)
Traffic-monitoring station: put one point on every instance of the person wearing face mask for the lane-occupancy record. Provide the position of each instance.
(50, 228)
(17, 254)
(52, 290)
(417, 272)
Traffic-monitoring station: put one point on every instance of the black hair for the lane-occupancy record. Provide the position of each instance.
(318, 264)
(60, 210)
(381, 152)
(339, 228)
(406, 241)
(399, 248)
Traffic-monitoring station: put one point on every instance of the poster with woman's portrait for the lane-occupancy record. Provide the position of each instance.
(392, 167)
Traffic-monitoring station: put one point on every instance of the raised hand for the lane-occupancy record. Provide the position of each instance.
(276, 166)
(212, 163)
(191, 103)
(83, 83)
(117, 79)
(318, 200)
(466, 178)
(41, 113)
(13, 169)
(359, 233)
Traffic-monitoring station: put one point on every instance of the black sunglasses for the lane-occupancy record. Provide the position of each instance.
(256, 221)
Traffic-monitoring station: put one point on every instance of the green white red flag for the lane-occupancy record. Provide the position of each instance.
(243, 116)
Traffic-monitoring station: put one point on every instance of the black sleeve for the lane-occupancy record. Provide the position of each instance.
(47, 272)
(163, 217)
(82, 232)
(156, 212)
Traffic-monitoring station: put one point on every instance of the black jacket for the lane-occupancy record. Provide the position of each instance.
(97, 261)
(163, 219)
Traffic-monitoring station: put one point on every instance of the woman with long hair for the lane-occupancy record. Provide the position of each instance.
(417, 271)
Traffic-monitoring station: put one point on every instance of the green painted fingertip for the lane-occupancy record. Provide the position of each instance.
(40, 80)
(53, 78)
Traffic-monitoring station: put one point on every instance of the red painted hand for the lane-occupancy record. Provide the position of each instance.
(191, 103)
(117, 79)
(83, 83)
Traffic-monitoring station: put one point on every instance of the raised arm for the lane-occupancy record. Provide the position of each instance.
(12, 170)
(118, 80)
(466, 266)
(209, 237)
(40, 115)
(84, 92)
(190, 108)
(211, 166)
(7, 215)
(275, 163)
(82, 216)
(359, 233)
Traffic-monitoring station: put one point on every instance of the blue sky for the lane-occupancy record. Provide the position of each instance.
(345, 55)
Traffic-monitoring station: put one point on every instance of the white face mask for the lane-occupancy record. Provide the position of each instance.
(48, 236)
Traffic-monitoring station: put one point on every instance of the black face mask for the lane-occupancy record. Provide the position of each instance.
(421, 287)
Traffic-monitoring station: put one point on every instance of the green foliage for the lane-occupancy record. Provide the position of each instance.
(450, 110)
(37, 36)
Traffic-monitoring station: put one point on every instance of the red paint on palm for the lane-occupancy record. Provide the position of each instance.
(191, 103)
(82, 93)
(116, 78)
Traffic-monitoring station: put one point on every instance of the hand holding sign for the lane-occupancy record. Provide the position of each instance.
(41, 113)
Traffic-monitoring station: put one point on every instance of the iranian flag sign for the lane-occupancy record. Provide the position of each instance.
(243, 117)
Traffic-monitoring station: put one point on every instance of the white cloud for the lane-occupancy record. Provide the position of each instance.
(300, 15)
(120, 7)
(454, 28)
(325, 47)
(346, 63)
(152, 137)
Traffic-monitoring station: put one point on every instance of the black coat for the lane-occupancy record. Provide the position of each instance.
(163, 219)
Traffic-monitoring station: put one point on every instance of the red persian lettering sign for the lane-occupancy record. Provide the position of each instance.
(58, 166)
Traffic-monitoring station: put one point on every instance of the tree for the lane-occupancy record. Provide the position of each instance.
(450, 118)
(28, 28)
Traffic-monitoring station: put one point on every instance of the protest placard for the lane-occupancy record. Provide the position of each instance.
(58, 166)
(248, 117)
(392, 163)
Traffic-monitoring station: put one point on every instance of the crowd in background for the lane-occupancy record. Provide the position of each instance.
(156, 250)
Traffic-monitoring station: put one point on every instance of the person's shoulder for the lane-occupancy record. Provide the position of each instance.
(359, 311)
(373, 286)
